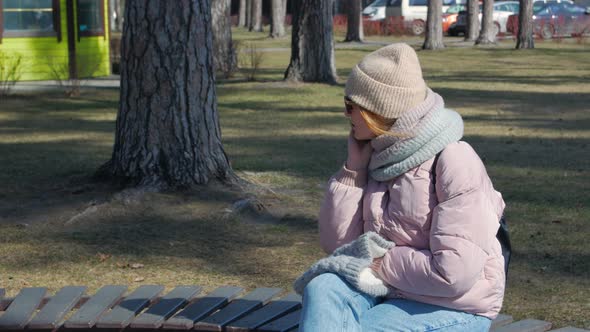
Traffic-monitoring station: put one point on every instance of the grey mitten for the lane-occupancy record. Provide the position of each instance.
(361, 276)
(368, 245)
(325, 265)
(352, 262)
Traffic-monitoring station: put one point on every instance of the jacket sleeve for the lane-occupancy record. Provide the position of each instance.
(340, 219)
(463, 231)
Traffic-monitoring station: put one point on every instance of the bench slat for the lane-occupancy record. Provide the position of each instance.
(527, 325)
(186, 318)
(501, 320)
(58, 306)
(90, 312)
(122, 314)
(237, 309)
(21, 309)
(266, 314)
(155, 316)
(283, 324)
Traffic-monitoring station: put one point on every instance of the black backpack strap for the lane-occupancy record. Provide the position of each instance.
(434, 168)
(502, 235)
(504, 238)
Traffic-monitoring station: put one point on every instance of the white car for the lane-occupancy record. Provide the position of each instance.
(376, 10)
(412, 12)
(502, 9)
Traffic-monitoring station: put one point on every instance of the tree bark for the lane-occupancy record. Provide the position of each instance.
(312, 43)
(525, 25)
(472, 20)
(434, 34)
(119, 8)
(113, 15)
(354, 28)
(284, 8)
(242, 14)
(277, 28)
(249, 14)
(488, 33)
(167, 129)
(256, 24)
(224, 54)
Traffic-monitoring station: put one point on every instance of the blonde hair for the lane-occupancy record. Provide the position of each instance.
(378, 124)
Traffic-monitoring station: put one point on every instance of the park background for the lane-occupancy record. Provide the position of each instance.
(526, 113)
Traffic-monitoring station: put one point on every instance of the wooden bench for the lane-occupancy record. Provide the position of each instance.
(183, 308)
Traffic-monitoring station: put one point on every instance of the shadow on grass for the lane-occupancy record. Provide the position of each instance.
(226, 246)
(519, 102)
(486, 77)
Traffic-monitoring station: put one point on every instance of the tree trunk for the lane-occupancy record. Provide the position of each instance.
(525, 25)
(312, 43)
(113, 14)
(434, 34)
(472, 20)
(488, 28)
(119, 7)
(354, 28)
(242, 14)
(249, 14)
(277, 27)
(256, 24)
(224, 54)
(167, 129)
(284, 8)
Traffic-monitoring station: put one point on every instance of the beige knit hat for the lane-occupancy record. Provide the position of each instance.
(388, 81)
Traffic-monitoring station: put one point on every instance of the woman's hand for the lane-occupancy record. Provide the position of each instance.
(359, 153)
(376, 265)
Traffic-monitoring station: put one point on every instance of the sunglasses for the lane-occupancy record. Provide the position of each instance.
(348, 104)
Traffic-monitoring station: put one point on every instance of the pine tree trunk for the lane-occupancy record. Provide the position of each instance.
(224, 55)
(249, 14)
(120, 11)
(256, 24)
(113, 14)
(488, 32)
(354, 28)
(167, 129)
(472, 20)
(284, 8)
(242, 14)
(525, 25)
(434, 34)
(277, 28)
(312, 43)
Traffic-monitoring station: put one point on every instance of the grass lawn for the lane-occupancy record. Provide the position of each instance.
(526, 113)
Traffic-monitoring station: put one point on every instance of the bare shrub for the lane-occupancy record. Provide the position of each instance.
(60, 72)
(250, 60)
(10, 71)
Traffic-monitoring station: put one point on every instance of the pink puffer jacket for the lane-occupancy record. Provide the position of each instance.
(446, 249)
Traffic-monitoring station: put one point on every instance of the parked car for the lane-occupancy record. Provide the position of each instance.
(450, 16)
(502, 10)
(556, 19)
(512, 22)
(413, 12)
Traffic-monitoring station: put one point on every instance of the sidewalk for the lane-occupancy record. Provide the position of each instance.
(108, 82)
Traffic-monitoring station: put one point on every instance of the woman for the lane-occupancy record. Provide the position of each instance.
(410, 179)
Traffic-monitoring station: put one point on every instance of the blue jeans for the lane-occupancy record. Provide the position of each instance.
(331, 304)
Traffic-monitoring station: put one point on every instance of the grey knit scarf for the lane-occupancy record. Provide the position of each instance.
(427, 130)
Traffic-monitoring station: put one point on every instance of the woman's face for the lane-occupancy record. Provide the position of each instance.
(358, 125)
